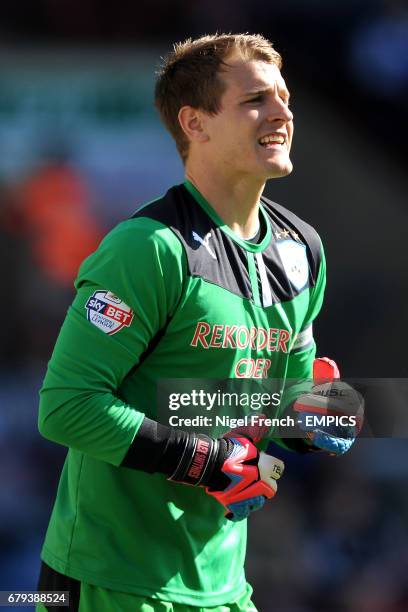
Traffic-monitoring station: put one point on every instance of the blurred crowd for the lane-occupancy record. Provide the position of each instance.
(335, 537)
(349, 47)
(47, 227)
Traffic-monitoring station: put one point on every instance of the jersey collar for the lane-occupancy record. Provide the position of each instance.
(245, 244)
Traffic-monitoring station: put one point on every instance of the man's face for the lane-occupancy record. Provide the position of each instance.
(252, 133)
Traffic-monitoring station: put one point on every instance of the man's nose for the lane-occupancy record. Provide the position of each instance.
(279, 110)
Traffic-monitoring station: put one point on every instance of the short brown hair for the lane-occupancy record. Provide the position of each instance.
(189, 76)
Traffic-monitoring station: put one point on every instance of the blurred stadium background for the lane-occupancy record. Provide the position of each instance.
(81, 148)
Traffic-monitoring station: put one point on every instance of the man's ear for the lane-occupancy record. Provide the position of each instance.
(192, 122)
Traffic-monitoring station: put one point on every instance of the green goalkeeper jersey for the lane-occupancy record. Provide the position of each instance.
(170, 293)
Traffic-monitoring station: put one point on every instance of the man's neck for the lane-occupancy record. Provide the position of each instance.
(236, 202)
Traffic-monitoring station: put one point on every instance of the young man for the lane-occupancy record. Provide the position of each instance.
(211, 280)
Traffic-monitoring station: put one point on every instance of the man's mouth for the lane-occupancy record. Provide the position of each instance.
(272, 139)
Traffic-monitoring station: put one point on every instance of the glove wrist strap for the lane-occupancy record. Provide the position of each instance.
(198, 460)
(191, 458)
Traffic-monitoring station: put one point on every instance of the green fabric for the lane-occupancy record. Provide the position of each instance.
(123, 529)
(94, 598)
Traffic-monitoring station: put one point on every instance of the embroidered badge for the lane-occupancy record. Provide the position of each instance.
(294, 260)
(108, 312)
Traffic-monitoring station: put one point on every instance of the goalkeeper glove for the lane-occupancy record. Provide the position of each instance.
(231, 468)
(332, 413)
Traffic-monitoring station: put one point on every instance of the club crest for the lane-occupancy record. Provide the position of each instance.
(294, 260)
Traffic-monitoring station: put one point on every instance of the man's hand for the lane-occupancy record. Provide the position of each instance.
(246, 478)
(230, 468)
(339, 406)
(240, 478)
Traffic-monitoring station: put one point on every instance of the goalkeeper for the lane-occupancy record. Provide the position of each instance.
(212, 279)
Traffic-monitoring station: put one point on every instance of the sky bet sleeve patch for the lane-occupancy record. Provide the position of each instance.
(108, 312)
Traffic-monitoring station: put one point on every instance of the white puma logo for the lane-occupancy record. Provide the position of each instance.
(204, 241)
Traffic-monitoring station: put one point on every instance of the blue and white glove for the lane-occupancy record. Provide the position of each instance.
(331, 414)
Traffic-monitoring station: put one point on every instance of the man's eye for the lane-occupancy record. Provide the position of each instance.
(256, 99)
